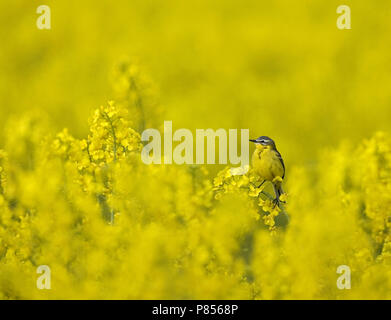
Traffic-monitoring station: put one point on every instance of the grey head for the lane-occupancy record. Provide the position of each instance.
(264, 140)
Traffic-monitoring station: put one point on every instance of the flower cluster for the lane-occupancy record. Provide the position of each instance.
(110, 226)
(249, 185)
(80, 201)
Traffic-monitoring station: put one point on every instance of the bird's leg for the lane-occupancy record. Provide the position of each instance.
(261, 183)
(276, 201)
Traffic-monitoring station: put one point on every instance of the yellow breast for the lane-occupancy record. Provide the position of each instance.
(266, 164)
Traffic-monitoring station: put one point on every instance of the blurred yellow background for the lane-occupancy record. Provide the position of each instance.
(109, 226)
(279, 68)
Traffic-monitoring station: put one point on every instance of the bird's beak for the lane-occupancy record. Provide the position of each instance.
(253, 140)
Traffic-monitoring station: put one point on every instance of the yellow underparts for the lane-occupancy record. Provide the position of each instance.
(266, 163)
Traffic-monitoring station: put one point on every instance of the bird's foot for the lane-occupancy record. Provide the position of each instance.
(276, 202)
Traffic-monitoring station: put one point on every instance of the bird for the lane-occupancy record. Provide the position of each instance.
(267, 162)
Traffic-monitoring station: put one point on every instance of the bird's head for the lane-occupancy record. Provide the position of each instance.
(264, 142)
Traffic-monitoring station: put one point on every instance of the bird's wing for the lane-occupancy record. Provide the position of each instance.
(282, 162)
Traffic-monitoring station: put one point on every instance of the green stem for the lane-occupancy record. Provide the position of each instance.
(114, 136)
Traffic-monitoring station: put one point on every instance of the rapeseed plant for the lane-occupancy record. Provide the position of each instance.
(81, 201)
(110, 226)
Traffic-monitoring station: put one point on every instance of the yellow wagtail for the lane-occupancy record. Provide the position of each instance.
(268, 164)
